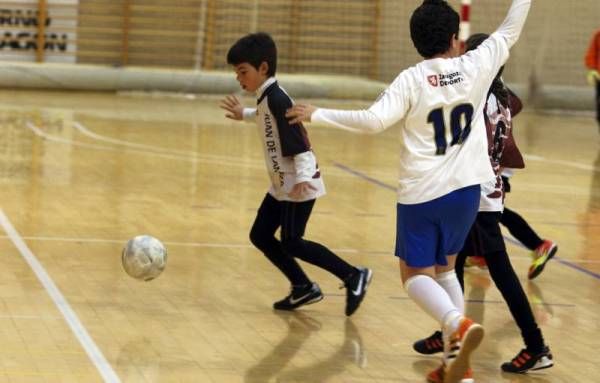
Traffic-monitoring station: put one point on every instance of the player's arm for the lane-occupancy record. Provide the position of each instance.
(514, 103)
(235, 109)
(390, 107)
(592, 61)
(513, 24)
(493, 52)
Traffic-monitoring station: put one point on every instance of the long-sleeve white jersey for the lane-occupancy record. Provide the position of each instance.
(443, 144)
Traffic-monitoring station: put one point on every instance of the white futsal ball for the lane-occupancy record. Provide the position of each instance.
(144, 257)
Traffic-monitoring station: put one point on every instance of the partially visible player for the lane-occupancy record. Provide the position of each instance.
(485, 237)
(443, 160)
(542, 250)
(296, 180)
(592, 62)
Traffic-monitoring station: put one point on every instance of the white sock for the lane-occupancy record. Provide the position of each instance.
(449, 282)
(432, 298)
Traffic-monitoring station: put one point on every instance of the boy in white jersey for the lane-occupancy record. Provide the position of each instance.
(296, 180)
(485, 237)
(443, 160)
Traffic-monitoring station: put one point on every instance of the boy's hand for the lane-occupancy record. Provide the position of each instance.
(593, 76)
(233, 106)
(300, 112)
(301, 189)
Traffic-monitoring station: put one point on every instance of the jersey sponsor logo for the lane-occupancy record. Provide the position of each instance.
(433, 80)
(443, 79)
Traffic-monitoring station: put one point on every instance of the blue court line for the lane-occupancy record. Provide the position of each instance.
(508, 239)
(364, 176)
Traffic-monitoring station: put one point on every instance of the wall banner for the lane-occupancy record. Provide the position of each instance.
(19, 30)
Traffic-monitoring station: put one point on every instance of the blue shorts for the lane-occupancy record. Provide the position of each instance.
(427, 232)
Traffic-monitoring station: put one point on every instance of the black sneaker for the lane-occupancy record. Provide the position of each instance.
(527, 361)
(431, 345)
(300, 296)
(356, 288)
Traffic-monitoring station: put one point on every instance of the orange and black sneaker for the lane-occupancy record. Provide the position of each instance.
(430, 345)
(528, 361)
(438, 375)
(461, 344)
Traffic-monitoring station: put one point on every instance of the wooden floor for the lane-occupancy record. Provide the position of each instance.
(82, 173)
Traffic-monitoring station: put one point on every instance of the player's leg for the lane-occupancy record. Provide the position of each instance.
(434, 343)
(536, 355)
(542, 249)
(295, 216)
(426, 234)
(520, 229)
(262, 235)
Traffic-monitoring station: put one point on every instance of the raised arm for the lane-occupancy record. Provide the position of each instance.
(513, 24)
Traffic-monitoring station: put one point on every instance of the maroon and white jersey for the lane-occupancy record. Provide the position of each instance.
(288, 154)
(502, 149)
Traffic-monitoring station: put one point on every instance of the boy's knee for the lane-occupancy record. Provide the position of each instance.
(293, 246)
(260, 240)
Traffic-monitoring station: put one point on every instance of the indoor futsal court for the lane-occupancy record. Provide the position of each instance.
(85, 168)
(79, 182)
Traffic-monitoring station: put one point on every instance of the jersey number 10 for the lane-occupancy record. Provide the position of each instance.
(461, 115)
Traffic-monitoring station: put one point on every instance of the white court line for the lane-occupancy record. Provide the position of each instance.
(87, 132)
(94, 353)
(39, 132)
(226, 159)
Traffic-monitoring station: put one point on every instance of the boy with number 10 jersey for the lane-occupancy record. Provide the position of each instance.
(443, 160)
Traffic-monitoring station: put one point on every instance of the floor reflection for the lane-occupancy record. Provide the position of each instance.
(301, 327)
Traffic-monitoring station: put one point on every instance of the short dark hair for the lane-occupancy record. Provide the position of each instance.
(432, 26)
(254, 49)
(475, 40)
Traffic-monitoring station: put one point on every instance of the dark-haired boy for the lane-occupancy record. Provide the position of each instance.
(443, 160)
(296, 180)
(485, 238)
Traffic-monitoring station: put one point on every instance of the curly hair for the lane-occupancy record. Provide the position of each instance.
(254, 49)
(432, 26)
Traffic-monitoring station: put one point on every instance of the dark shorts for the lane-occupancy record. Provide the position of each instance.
(485, 236)
(427, 232)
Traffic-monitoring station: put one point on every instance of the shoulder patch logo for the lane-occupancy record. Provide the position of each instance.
(433, 80)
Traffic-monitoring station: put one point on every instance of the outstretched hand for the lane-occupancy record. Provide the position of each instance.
(300, 113)
(593, 76)
(301, 189)
(232, 105)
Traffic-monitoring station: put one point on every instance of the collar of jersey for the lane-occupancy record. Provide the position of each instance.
(261, 89)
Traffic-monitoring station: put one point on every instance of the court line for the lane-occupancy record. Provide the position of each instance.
(198, 158)
(157, 149)
(94, 353)
(149, 150)
(382, 184)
